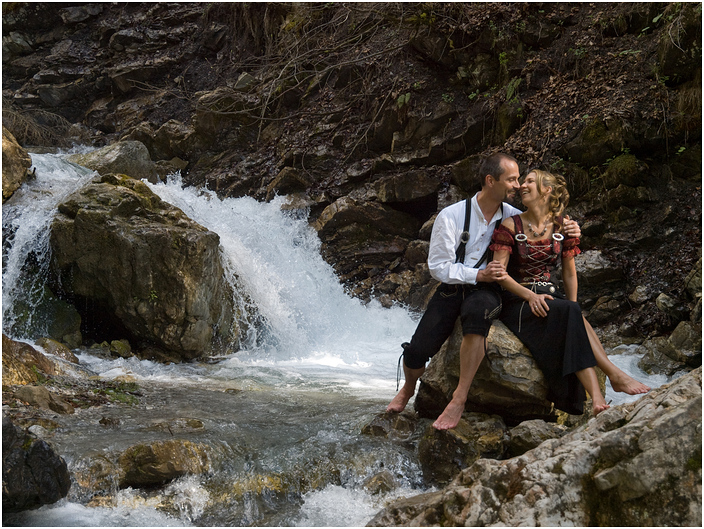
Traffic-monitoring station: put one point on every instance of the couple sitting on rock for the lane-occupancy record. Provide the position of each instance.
(516, 286)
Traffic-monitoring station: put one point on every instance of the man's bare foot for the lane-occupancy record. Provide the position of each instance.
(398, 404)
(627, 384)
(450, 417)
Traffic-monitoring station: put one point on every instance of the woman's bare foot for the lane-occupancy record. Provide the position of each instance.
(450, 417)
(626, 384)
(398, 404)
(598, 408)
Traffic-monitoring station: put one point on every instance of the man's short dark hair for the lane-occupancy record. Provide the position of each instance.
(492, 166)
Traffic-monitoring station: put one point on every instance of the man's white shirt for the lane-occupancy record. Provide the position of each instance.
(445, 239)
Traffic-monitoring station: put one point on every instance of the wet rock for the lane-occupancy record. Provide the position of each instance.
(141, 267)
(287, 181)
(508, 382)
(125, 157)
(530, 434)
(15, 163)
(609, 473)
(121, 348)
(32, 473)
(22, 364)
(74, 15)
(686, 341)
(640, 295)
(444, 453)
(658, 357)
(407, 187)
(57, 349)
(156, 463)
(605, 309)
(40, 397)
(693, 281)
(595, 269)
(393, 425)
(380, 483)
(672, 307)
(369, 232)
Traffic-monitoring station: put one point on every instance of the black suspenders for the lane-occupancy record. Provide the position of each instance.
(464, 237)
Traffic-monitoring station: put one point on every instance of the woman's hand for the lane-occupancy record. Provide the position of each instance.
(538, 304)
(571, 228)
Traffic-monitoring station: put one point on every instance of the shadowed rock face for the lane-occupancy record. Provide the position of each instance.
(635, 464)
(138, 265)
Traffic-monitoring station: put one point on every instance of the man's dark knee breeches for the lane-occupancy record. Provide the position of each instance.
(477, 306)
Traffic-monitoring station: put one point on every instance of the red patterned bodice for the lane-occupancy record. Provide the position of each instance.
(532, 260)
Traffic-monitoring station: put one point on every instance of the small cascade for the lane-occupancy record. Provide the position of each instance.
(26, 220)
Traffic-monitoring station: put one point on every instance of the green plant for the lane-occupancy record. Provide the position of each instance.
(448, 98)
(473, 95)
(153, 296)
(512, 89)
(503, 59)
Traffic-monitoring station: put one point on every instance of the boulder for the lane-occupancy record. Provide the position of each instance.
(444, 453)
(140, 268)
(57, 349)
(595, 269)
(508, 382)
(612, 472)
(22, 364)
(530, 434)
(357, 236)
(32, 473)
(124, 157)
(42, 398)
(15, 162)
(156, 463)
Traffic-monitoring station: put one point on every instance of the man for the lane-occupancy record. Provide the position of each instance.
(469, 289)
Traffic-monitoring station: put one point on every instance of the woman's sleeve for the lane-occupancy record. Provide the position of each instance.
(570, 248)
(502, 239)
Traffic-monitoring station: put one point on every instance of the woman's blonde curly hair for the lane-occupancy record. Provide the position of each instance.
(559, 197)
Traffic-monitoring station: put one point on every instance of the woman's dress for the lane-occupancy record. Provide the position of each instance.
(558, 342)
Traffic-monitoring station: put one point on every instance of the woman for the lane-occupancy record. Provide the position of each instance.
(548, 322)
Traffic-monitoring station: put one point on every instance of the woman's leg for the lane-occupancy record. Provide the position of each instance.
(591, 383)
(620, 381)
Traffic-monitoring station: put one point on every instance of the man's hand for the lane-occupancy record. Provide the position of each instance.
(494, 271)
(572, 228)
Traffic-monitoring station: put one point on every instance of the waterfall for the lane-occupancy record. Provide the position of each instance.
(311, 324)
(26, 220)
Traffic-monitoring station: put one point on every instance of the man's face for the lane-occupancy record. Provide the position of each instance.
(507, 185)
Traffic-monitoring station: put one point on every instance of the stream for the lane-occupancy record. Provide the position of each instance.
(283, 414)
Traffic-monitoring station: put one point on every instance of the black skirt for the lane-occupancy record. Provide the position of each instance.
(559, 344)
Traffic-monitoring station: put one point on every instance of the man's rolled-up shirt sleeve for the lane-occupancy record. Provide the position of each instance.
(441, 255)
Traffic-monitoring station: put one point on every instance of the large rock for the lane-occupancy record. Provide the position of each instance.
(32, 473)
(637, 464)
(156, 463)
(22, 363)
(124, 157)
(15, 162)
(360, 235)
(140, 268)
(508, 382)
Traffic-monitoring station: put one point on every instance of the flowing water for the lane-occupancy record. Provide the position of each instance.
(282, 416)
